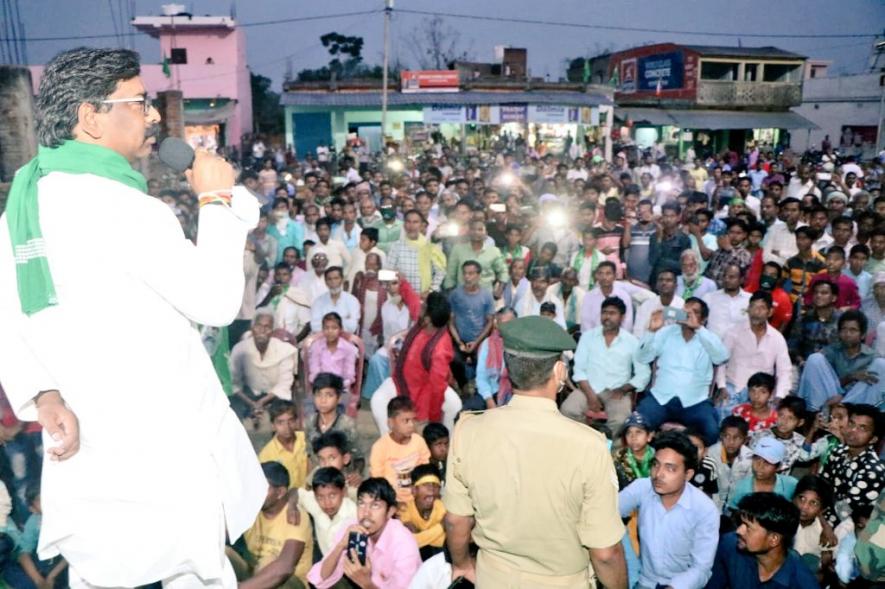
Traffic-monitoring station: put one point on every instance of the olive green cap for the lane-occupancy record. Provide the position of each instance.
(535, 336)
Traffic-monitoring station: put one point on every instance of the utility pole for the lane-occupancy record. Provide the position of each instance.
(388, 9)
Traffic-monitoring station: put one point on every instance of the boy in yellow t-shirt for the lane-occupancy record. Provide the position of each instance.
(395, 455)
(424, 513)
(280, 554)
(288, 445)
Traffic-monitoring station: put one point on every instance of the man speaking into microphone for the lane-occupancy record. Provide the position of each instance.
(148, 469)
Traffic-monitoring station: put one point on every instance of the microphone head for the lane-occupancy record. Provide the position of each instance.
(176, 154)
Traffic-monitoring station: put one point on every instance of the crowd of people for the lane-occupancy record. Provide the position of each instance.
(728, 314)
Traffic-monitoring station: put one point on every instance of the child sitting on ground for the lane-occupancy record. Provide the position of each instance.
(758, 413)
(330, 416)
(396, 454)
(733, 458)
(423, 514)
(706, 477)
(633, 459)
(790, 417)
(815, 539)
(332, 451)
(436, 435)
(328, 504)
(288, 445)
(834, 435)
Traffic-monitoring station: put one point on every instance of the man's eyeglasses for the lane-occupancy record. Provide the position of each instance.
(146, 102)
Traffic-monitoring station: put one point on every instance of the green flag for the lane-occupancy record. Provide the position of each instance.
(167, 71)
(613, 81)
(216, 342)
(586, 70)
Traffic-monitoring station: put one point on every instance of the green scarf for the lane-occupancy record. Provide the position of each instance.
(641, 469)
(595, 259)
(36, 290)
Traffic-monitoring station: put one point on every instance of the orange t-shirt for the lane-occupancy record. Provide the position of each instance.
(395, 462)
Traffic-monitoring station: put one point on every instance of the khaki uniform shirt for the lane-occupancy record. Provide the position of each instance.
(541, 487)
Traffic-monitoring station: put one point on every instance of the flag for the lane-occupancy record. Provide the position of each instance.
(658, 88)
(614, 80)
(217, 345)
(586, 70)
(166, 70)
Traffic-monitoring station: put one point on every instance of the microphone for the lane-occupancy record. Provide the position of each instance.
(176, 154)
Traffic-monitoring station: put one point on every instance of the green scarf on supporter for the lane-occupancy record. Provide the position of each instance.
(36, 290)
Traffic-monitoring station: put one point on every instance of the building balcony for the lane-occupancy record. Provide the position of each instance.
(776, 95)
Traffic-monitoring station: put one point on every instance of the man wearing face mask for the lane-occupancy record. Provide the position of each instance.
(782, 306)
(314, 282)
(337, 301)
(390, 228)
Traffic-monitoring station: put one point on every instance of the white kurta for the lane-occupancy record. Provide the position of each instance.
(162, 456)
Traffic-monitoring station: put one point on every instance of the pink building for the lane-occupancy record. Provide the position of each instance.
(207, 62)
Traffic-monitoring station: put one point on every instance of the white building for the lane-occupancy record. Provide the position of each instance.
(845, 108)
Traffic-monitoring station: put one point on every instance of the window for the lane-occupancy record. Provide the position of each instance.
(781, 72)
(719, 70)
(179, 56)
(751, 72)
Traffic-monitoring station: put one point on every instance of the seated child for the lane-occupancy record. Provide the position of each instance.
(706, 477)
(815, 539)
(734, 460)
(397, 453)
(768, 455)
(278, 554)
(758, 413)
(633, 459)
(288, 445)
(331, 451)
(332, 353)
(328, 504)
(790, 417)
(436, 435)
(44, 573)
(330, 416)
(834, 427)
(423, 514)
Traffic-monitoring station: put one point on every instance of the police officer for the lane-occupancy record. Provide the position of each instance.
(537, 490)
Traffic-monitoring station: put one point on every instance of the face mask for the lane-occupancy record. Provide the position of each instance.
(767, 282)
(387, 214)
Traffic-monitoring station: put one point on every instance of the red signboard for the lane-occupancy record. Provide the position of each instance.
(429, 81)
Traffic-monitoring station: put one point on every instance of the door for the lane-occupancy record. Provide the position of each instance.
(311, 129)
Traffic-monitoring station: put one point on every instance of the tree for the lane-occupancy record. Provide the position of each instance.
(346, 62)
(267, 114)
(435, 44)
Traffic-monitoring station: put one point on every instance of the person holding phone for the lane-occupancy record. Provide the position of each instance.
(374, 550)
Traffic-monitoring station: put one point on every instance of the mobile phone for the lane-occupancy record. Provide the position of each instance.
(386, 275)
(358, 543)
(498, 207)
(675, 314)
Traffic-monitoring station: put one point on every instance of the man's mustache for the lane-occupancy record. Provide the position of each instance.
(152, 131)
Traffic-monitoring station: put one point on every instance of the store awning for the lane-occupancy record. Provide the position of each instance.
(724, 119)
(646, 116)
(209, 115)
(470, 97)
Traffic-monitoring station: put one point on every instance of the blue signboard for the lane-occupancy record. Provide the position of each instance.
(665, 69)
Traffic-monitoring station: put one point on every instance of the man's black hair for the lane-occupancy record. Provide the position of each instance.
(424, 470)
(550, 246)
(679, 443)
(812, 482)
(762, 295)
(705, 309)
(473, 263)
(836, 249)
(606, 264)
(331, 439)
(328, 380)
(323, 222)
(548, 307)
(834, 288)
(842, 221)
(739, 223)
(856, 316)
(280, 200)
(762, 379)
(671, 206)
(415, 212)
(868, 411)
(276, 474)
(774, 513)
(371, 233)
(860, 248)
(328, 476)
(615, 302)
(434, 431)
(737, 422)
(282, 266)
(438, 309)
(332, 269)
(788, 200)
(332, 315)
(378, 489)
(294, 249)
